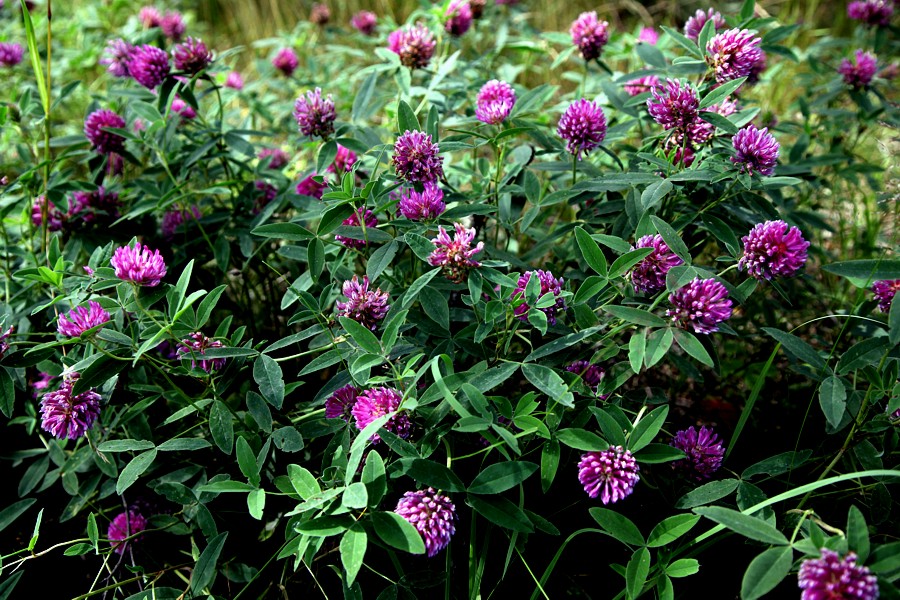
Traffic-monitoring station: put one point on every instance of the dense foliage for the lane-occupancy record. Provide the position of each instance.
(449, 307)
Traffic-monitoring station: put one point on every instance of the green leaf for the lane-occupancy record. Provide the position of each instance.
(672, 239)
(707, 493)
(208, 304)
(124, 445)
(256, 502)
(290, 232)
(858, 534)
(406, 118)
(797, 347)
(287, 439)
(894, 324)
(363, 99)
(718, 94)
(436, 475)
(658, 453)
(550, 454)
(315, 258)
(500, 511)
(670, 529)
(658, 343)
(866, 270)
(417, 286)
(327, 154)
(581, 439)
(864, 353)
(635, 315)
(690, 344)
(205, 571)
(589, 288)
(683, 567)
(363, 336)
(326, 526)
(636, 572)
(549, 381)
(134, 469)
(434, 303)
(655, 192)
(221, 426)
(618, 526)
(396, 531)
(14, 511)
(373, 476)
(247, 462)
(591, 252)
(92, 532)
(612, 430)
(637, 349)
(333, 217)
(833, 399)
(353, 550)
(622, 264)
(380, 260)
(7, 587)
(78, 549)
(7, 393)
(303, 481)
(765, 572)
(355, 496)
(647, 428)
(226, 486)
(750, 527)
(183, 444)
(502, 476)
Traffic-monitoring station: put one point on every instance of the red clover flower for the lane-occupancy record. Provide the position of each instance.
(11, 54)
(733, 54)
(310, 187)
(175, 218)
(149, 17)
(339, 405)
(422, 206)
(195, 347)
(549, 284)
(649, 275)
(831, 577)
(416, 157)
(591, 374)
(102, 141)
(320, 14)
(694, 25)
(343, 161)
(583, 126)
(773, 249)
(414, 45)
(610, 474)
(377, 402)
(860, 72)
(66, 415)
(648, 35)
(125, 525)
(364, 306)
(495, 102)
(674, 106)
(871, 12)
(315, 115)
(641, 85)
(149, 66)
(173, 26)
(116, 57)
(191, 56)
(459, 17)
(80, 319)
(356, 219)
(275, 157)
(704, 451)
(139, 265)
(432, 514)
(455, 256)
(365, 22)
(234, 80)
(590, 34)
(286, 61)
(756, 150)
(702, 304)
(885, 291)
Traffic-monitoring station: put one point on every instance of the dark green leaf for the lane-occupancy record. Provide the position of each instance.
(833, 400)
(381, 259)
(435, 475)
(635, 315)
(622, 264)
(591, 252)
(134, 469)
(721, 92)
(690, 344)
(658, 453)
(500, 511)
(670, 529)
(14, 511)
(303, 481)
(858, 534)
(581, 439)
(751, 527)
(268, 376)
(183, 444)
(797, 347)
(7, 393)
(548, 381)
(636, 572)
(363, 336)
(406, 118)
(866, 270)
(707, 493)
(247, 462)
(353, 550)
(502, 476)
(396, 531)
(327, 154)
(765, 572)
(647, 428)
(124, 445)
(617, 525)
(204, 573)
(221, 426)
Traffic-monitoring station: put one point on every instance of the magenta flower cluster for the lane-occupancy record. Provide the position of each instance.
(191, 56)
(859, 72)
(641, 85)
(102, 141)
(339, 405)
(455, 256)
(755, 150)
(422, 206)
(458, 17)
(320, 14)
(378, 402)
(117, 57)
(122, 527)
(674, 106)
(195, 347)
(175, 218)
(315, 115)
(68, 415)
(885, 291)
(610, 474)
(365, 22)
(80, 319)
(733, 53)
(590, 373)
(582, 126)
(10, 54)
(356, 219)
(589, 34)
(416, 158)
(704, 451)
(432, 514)
(773, 249)
(831, 577)
(702, 304)
(286, 61)
(649, 275)
(549, 285)
(414, 45)
(694, 25)
(365, 306)
(139, 265)
(871, 12)
(495, 101)
(275, 157)
(149, 66)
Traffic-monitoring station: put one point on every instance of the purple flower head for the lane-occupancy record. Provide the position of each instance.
(55, 216)
(702, 304)
(495, 102)
(363, 305)
(871, 12)
(125, 525)
(149, 66)
(99, 205)
(432, 514)
(416, 158)
(773, 249)
(884, 291)
(831, 577)
(183, 109)
(583, 126)
(172, 25)
(343, 161)
(195, 346)
(4, 346)
(428, 204)
(339, 405)
(116, 57)
(354, 220)
(591, 374)
(365, 22)
(860, 72)
(733, 53)
(674, 106)
(175, 219)
(700, 131)
(414, 45)
(80, 319)
(234, 81)
(648, 35)
(266, 192)
(191, 56)
(66, 415)
(286, 61)
(275, 157)
(704, 451)
(610, 474)
(102, 141)
(649, 275)
(641, 85)
(315, 115)
(549, 284)
(40, 384)
(590, 34)
(755, 150)
(459, 17)
(139, 265)
(377, 402)
(10, 54)
(694, 25)
(320, 14)
(150, 17)
(310, 187)
(455, 256)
